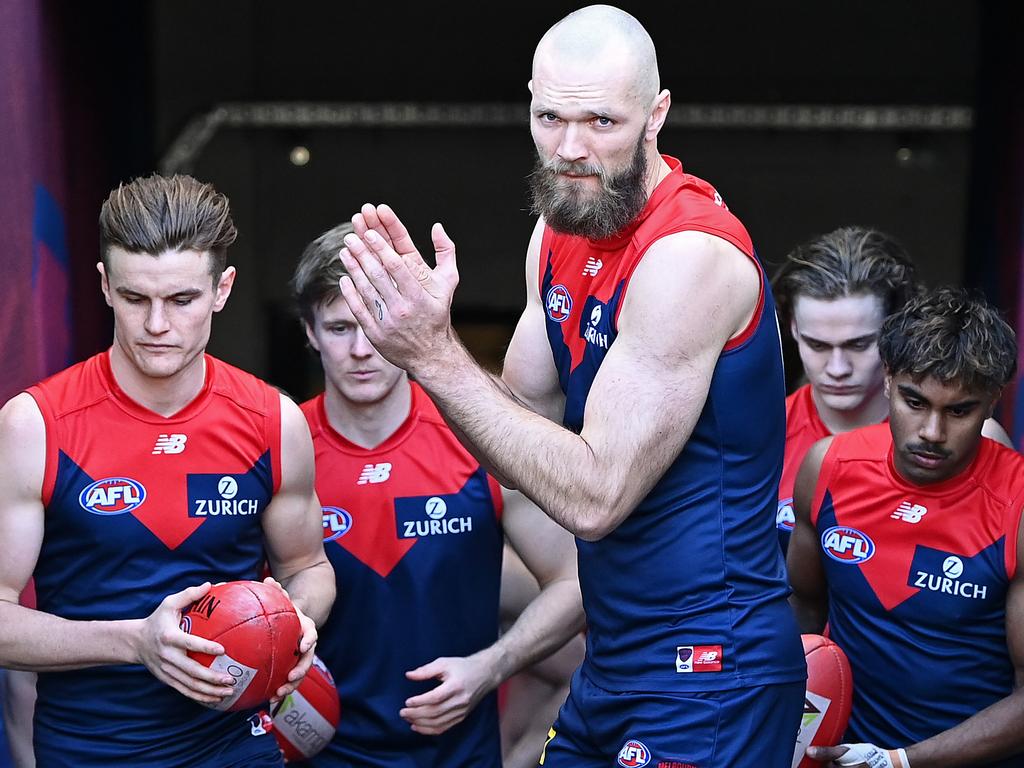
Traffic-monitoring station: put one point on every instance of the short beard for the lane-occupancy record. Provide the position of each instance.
(568, 210)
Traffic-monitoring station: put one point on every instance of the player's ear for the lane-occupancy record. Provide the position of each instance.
(310, 336)
(659, 113)
(994, 402)
(223, 288)
(887, 382)
(104, 282)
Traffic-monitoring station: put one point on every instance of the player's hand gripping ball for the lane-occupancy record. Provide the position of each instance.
(306, 719)
(828, 699)
(257, 625)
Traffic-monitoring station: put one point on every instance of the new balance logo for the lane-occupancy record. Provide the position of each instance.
(374, 473)
(909, 513)
(593, 267)
(170, 444)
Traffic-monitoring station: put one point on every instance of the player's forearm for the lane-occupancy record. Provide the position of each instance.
(479, 455)
(312, 590)
(554, 467)
(551, 619)
(41, 642)
(993, 733)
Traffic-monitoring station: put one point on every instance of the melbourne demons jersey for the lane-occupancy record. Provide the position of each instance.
(688, 593)
(412, 528)
(804, 428)
(917, 582)
(137, 507)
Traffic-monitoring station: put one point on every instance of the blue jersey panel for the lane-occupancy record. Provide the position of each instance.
(440, 599)
(930, 662)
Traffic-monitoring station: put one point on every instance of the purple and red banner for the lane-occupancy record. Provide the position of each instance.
(35, 321)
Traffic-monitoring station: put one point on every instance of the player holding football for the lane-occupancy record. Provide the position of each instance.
(908, 544)
(414, 530)
(111, 470)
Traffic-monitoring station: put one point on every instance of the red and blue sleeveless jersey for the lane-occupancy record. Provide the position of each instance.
(139, 506)
(412, 528)
(917, 584)
(689, 592)
(804, 428)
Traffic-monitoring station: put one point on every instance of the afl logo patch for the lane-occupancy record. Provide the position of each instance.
(337, 522)
(634, 754)
(558, 303)
(185, 625)
(112, 496)
(785, 518)
(847, 545)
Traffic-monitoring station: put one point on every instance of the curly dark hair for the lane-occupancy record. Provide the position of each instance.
(952, 336)
(846, 262)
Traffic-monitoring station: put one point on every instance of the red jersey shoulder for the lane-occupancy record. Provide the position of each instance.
(681, 202)
(684, 202)
(802, 417)
(799, 403)
(803, 429)
(78, 386)
(311, 409)
(1000, 471)
(435, 432)
(871, 443)
(242, 388)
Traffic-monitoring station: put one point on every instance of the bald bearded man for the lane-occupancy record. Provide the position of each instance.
(641, 406)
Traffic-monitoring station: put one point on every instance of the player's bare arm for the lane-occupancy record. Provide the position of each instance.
(41, 642)
(806, 575)
(293, 532)
(529, 371)
(529, 375)
(696, 284)
(553, 617)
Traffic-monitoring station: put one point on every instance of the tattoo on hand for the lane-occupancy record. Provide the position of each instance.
(380, 310)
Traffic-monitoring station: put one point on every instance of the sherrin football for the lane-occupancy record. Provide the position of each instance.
(828, 698)
(306, 719)
(259, 629)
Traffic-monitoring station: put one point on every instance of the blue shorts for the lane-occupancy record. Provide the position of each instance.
(741, 728)
(242, 742)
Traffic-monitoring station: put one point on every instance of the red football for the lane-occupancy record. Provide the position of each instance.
(259, 629)
(827, 701)
(306, 719)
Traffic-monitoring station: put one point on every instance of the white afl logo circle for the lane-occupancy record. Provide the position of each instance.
(227, 487)
(436, 508)
(595, 316)
(953, 567)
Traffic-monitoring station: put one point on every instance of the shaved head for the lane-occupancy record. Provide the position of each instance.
(601, 36)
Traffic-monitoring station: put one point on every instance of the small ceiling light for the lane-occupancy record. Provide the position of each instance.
(299, 155)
